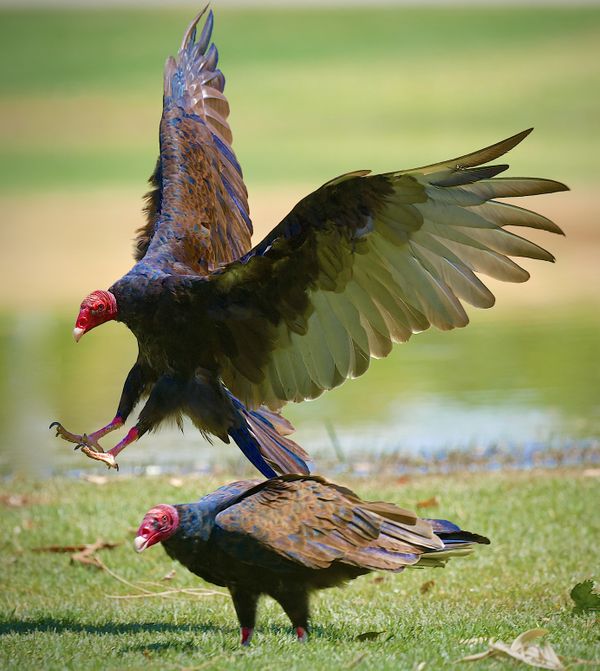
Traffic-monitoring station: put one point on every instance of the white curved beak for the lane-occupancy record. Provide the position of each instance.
(140, 543)
(77, 333)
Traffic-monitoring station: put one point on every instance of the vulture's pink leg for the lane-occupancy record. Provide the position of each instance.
(109, 458)
(246, 633)
(301, 634)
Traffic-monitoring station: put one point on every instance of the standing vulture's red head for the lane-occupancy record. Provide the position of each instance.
(97, 308)
(158, 524)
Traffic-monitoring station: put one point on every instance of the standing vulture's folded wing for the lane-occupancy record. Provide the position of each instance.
(313, 522)
(197, 213)
(361, 263)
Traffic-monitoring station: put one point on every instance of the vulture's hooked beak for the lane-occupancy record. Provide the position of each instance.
(158, 524)
(77, 333)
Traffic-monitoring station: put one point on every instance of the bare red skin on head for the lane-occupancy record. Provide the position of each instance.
(159, 523)
(97, 308)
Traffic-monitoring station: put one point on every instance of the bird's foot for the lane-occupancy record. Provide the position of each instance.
(91, 447)
(246, 633)
(106, 457)
(80, 440)
(301, 635)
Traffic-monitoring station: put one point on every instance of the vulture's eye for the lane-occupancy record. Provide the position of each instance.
(164, 519)
(99, 308)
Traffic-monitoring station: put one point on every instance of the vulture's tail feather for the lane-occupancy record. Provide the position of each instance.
(251, 450)
(457, 543)
(262, 438)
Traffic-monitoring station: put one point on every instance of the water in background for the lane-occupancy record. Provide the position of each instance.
(526, 380)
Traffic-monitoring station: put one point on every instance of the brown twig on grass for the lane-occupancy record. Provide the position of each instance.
(88, 554)
(147, 593)
(84, 553)
(192, 591)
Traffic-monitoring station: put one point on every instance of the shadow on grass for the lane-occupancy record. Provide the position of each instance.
(63, 625)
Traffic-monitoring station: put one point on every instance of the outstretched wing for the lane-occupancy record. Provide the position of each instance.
(312, 522)
(361, 263)
(197, 212)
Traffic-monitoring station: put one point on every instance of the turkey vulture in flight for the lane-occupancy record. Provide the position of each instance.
(228, 334)
(291, 535)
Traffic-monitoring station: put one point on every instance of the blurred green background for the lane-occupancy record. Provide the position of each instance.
(313, 93)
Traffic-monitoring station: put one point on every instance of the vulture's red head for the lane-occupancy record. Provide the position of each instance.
(158, 524)
(97, 308)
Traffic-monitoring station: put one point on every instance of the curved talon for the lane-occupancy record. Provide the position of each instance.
(89, 445)
(61, 432)
(82, 440)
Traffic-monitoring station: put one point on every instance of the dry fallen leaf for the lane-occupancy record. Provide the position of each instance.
(426, 586)
(176, 482)
(59, 548)
(14, 500)
(476, 656)
(170, 575)
(431, 502)
(523, 649)
(88, 554)
(95, 479)
(84, 554)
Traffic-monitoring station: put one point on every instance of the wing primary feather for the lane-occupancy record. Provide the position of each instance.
(507, 214)
(190, 33)
(385, 256)
(516, 187)
(460, 175)
(479, 157)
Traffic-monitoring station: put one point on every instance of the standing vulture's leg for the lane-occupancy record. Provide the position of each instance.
(245, 607)
(295, 605)
(164, 400)
(132, 390)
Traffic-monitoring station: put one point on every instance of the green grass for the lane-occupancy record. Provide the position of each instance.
(313, 93)
(55, 615)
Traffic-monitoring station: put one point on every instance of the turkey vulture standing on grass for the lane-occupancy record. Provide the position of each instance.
(228, 334)
(293, 534)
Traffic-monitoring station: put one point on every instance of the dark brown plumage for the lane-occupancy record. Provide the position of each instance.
(227, 334)
(291, 535)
